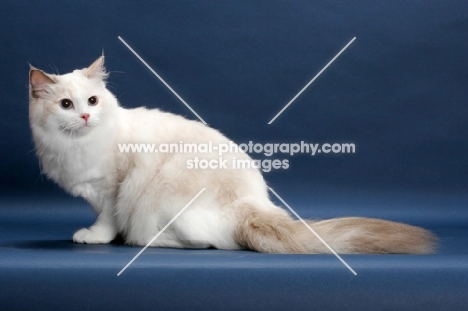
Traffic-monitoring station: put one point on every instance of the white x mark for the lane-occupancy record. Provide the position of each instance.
(271, 121)
(313, 79)
(162, 80)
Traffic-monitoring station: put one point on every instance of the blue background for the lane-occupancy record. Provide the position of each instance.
(399, 93)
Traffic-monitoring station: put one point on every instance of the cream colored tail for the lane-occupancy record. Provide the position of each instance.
(275, 232)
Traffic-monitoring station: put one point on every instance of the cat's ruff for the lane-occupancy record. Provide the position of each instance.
(77, 125)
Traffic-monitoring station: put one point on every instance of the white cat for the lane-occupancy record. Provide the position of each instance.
(77, 125)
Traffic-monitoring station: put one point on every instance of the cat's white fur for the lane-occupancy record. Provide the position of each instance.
(137, 194)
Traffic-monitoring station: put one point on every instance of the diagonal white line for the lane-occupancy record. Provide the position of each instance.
(313, 79)
(162, 80)
(160, 232)
(313, 231)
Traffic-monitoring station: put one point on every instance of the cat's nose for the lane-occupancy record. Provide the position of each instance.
(85, 116)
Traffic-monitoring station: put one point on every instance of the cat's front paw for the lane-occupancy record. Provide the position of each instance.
(88, 236)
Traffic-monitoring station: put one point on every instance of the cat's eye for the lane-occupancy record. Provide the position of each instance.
(66, 104)
(92, 101)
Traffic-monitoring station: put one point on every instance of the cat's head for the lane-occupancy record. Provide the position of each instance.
(74, 103)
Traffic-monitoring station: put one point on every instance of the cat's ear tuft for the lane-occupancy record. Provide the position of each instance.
(40, 82)
(97, 70)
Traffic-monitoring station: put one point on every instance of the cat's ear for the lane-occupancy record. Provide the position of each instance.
(40, 82)
(97, 70)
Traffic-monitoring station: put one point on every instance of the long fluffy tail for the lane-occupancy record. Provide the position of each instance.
(274, 231)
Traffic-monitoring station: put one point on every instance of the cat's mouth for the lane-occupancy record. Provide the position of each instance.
(75, 129)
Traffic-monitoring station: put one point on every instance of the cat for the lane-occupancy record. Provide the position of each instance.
(77, 125)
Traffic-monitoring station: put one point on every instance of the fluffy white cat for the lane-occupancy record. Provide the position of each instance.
(77, 125)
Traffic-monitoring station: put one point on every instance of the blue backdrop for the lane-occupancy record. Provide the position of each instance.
(398, 92)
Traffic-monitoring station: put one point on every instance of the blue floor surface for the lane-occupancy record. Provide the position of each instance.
(42, 269)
